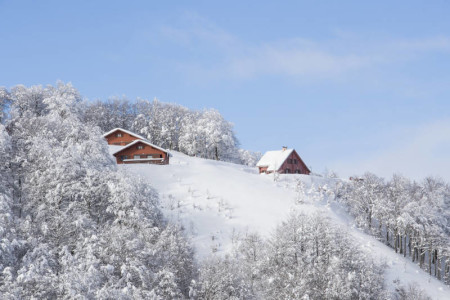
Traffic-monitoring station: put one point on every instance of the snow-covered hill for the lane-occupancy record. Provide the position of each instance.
(217, 201)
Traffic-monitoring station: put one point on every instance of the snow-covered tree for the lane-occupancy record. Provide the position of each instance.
(362, 200)
(198, 133)
(189, 138)
(4, 103)
(305, 258)
(216, 135)
(410, 217)
(223, 279)
(84, 229)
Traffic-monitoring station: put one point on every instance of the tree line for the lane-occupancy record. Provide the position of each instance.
(203, 133)
(411, 217)
(306, 257)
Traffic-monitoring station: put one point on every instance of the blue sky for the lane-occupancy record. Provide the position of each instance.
(352, 86)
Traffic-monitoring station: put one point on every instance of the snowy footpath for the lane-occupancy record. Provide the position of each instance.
(217, 202)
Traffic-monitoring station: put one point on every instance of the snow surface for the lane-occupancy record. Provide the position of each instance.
(274, 159)
(217, 201)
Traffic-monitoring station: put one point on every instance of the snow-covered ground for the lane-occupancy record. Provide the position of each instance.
(217, 201)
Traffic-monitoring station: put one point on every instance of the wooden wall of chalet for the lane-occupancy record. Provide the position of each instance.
(263, 169)
(147, 150)
(125, 139)
(299, 168)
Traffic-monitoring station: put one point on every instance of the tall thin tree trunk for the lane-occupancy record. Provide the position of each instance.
(387, 235)
(404, 251)
(396, 240)
(418, 250)
(430, 254)
(20, 197)
(444, 269)
(409, 246)
(436, 261)
(421, 257)
(439, 269)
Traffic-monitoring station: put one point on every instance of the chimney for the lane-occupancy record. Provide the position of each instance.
(284, 148)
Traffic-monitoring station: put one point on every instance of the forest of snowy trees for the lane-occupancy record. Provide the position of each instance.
(204, 133)
(306, 258)
(71, 225)
(411, 217)
(74, 226)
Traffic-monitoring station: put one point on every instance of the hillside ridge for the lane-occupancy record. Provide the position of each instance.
(218, 201)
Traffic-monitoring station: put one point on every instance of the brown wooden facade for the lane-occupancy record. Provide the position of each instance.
(294, 164)
(263, 170)
(141, 152)
(121, 138)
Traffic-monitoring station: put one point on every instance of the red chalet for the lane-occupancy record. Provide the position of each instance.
(129, 148)
(282, 161)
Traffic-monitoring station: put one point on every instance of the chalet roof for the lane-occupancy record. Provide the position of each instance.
(274, 159)
(126, 131)
(114, 149)
(142, 141)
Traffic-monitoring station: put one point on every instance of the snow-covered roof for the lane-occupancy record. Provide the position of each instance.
(274, 159)
(145, 142)
(114, 149)
(126, 131)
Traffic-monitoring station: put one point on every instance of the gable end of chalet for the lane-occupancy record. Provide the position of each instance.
(285, 161)
(121, 137)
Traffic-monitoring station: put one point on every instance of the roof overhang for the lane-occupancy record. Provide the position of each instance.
(124, 130)
(144, 142)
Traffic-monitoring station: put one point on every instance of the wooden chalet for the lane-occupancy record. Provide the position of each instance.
(121, 137)
(130, 148)
(285, 161)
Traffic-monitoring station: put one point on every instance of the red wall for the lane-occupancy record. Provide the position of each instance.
(147, 150)
(262, 169)
(300, 166)
(121, 141)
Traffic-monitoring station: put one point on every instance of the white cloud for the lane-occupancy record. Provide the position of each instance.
(296, 62)
(439, 43)
(424, 151)
(199, 30)
(345, 54)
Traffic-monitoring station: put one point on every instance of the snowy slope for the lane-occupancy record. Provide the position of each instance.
(216, 201)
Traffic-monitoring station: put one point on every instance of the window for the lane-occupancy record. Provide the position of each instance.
(140, 147)
(295, 162)
(137, 157)
(297, 171)
(287, 171)
(118, 135)
(160, 156)
(123, 157)
(290, 161)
